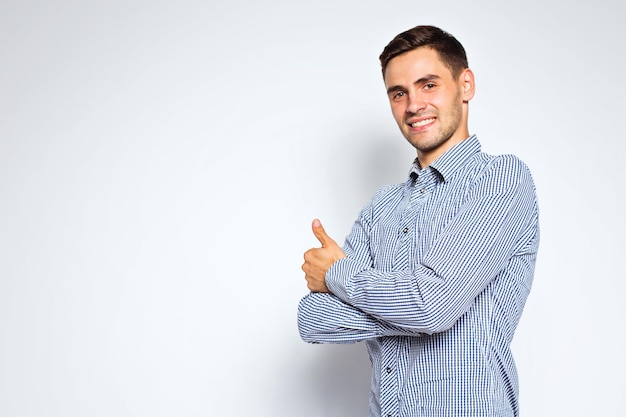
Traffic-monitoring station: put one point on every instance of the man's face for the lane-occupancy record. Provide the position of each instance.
(429, 105)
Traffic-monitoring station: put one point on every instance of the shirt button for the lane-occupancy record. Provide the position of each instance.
(388, 369)
(421, 191)
(406, 229)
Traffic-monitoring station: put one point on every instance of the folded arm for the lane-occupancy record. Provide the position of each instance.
(470, 251)
(324, 318)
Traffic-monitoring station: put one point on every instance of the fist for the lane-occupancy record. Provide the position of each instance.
(318, 260)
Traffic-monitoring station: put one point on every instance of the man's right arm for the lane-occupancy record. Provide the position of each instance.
(324, 318)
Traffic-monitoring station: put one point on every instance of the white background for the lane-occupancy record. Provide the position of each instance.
(160, 163)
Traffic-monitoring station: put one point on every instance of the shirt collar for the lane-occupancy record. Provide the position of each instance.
(453, 159)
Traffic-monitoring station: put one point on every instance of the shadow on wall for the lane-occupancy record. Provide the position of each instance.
(362, 162)
(359, 165)
(340, 381)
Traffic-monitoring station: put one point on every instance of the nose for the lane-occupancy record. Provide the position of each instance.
(415, 103)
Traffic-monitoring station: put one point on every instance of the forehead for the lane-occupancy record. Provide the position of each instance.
(415, 64)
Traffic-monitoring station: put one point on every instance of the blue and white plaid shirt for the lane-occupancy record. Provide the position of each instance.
(437, 273)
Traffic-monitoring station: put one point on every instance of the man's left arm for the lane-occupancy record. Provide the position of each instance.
(474, 247)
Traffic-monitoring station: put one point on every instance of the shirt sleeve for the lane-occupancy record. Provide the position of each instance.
(471, 250)
(324, 318)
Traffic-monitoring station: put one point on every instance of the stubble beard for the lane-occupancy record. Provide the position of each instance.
(447, 129)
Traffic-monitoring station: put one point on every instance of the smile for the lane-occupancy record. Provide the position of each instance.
(422, 122)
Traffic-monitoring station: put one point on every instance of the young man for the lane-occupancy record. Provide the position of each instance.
(436, 270)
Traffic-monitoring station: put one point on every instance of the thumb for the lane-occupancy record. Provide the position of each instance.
(320, 234)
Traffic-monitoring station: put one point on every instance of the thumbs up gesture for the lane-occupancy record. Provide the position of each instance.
(318, 260)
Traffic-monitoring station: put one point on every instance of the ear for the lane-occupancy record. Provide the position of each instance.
(466, 83)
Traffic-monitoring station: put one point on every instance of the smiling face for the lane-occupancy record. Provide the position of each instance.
(429, 104)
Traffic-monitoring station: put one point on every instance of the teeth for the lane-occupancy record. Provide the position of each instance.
(422, 122)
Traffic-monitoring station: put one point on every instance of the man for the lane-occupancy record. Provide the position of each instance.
(436, 270)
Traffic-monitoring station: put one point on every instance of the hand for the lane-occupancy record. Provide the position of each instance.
(318, 260)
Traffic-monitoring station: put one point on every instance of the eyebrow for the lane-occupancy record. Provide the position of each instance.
(423, 80)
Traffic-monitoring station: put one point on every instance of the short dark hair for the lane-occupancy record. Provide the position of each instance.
(450, 50)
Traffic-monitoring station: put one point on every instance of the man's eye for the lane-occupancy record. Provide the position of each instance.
(429, 86)
(399, 95)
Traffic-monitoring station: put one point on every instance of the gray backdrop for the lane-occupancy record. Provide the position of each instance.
(160, 163)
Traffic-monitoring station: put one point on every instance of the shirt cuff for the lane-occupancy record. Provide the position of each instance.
(339, 277)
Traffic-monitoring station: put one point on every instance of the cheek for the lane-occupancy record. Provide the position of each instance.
(397, 111)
